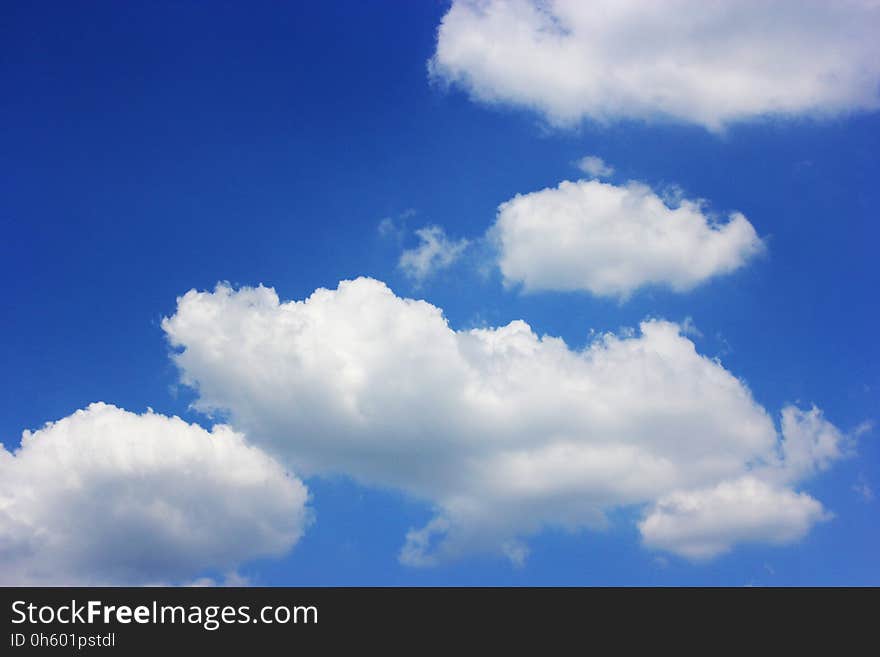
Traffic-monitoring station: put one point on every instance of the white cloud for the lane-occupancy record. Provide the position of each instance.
(435, 252)
(502, 431)
(702, 524)
(105, 496)
(611, 240)
(811, 443)
(708, 63)
(595, 167)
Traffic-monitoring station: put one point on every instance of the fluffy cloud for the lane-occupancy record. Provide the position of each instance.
(811, 444)
(611, 240)
(709, 63)
(502, 431)
(702, 524)
(105, 496)
(434, 252)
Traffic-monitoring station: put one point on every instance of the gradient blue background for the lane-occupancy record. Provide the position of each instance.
(149, 148)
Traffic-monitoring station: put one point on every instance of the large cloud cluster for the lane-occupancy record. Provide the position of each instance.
(503, 431)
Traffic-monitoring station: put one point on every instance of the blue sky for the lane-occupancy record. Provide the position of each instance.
(153, 149)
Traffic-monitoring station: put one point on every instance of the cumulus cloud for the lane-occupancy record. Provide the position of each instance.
(709, 63)
(502, 431)
(610, 240)
(595, 167)
(434, 252)
(105, 496)
(702, 524)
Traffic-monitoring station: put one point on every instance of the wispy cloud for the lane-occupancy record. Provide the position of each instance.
(434, 252)
(864, 489)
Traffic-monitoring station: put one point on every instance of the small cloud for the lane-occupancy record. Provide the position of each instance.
(724, 345)
(516, 551)
(202, 583)
(689, 328)
(595, 167)
(863, 488)
(387, 227)
(395, 227)
(865, 427)
(435, 252)
(234, 578)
